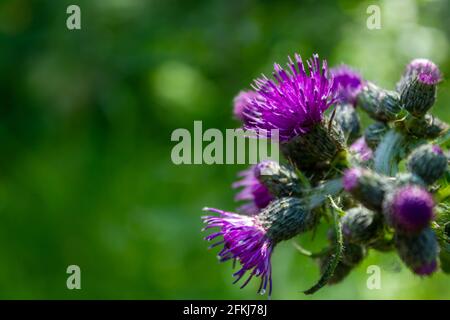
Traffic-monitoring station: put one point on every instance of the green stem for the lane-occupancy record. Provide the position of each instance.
(387, 153)
(339, 248)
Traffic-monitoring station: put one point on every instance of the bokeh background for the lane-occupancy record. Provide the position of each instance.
(86, 116)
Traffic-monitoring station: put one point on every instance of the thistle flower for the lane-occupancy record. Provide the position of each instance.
(240, 101)
(294, 102)
(366, 186)
(348, 83)
(250, 240)
(361, 150)
(418, 86)
(409, 209)
(428, 162)
(418, 251)
(253, 191)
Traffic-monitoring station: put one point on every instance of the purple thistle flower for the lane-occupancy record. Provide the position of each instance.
(244, 239)
(253, 190)
(410, 208)
(292, 103)
(425, 70)
(361, 148)
(348, 83)
(240, 101)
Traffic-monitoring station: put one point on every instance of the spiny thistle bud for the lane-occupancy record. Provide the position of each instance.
(361, 226)
(428, 162)
(281, 180)
(285, 218)
(374, 133)
(418, 86)
(419, 252)
(409, 209)
(251, 239)
(348, 120)
(380, 104)
(322, 143)
(428, 126)
(365, 186)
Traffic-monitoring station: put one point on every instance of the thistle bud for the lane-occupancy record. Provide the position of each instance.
(347, 118)
(380, 104)
(366, 186)
(428, 162)
(418, 86)
(322, 143)
(374, 133)
(361, 226)
(281, 180)
(428, 127)
(285, 218)
(419, 252)
(409, 209)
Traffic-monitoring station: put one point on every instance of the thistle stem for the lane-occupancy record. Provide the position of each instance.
(339, 248)
(387, 153)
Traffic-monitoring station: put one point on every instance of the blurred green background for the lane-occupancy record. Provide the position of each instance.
(86, 116)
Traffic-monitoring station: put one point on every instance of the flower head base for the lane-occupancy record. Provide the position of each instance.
(245, 240)
(418, 251)
(294, 102)
(255, 192)
(240, 101)
(409, 208)
(348, 83)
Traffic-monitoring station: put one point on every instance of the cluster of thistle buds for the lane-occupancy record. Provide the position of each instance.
(385, 188)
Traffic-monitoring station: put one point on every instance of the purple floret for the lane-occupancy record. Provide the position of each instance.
(425, 70)
(426, 269)
(240, 101)
(348, 83)
(245, 241)
(293, 102)
(351, 178)
(257, 194)
(412, 208)
(361, 148)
